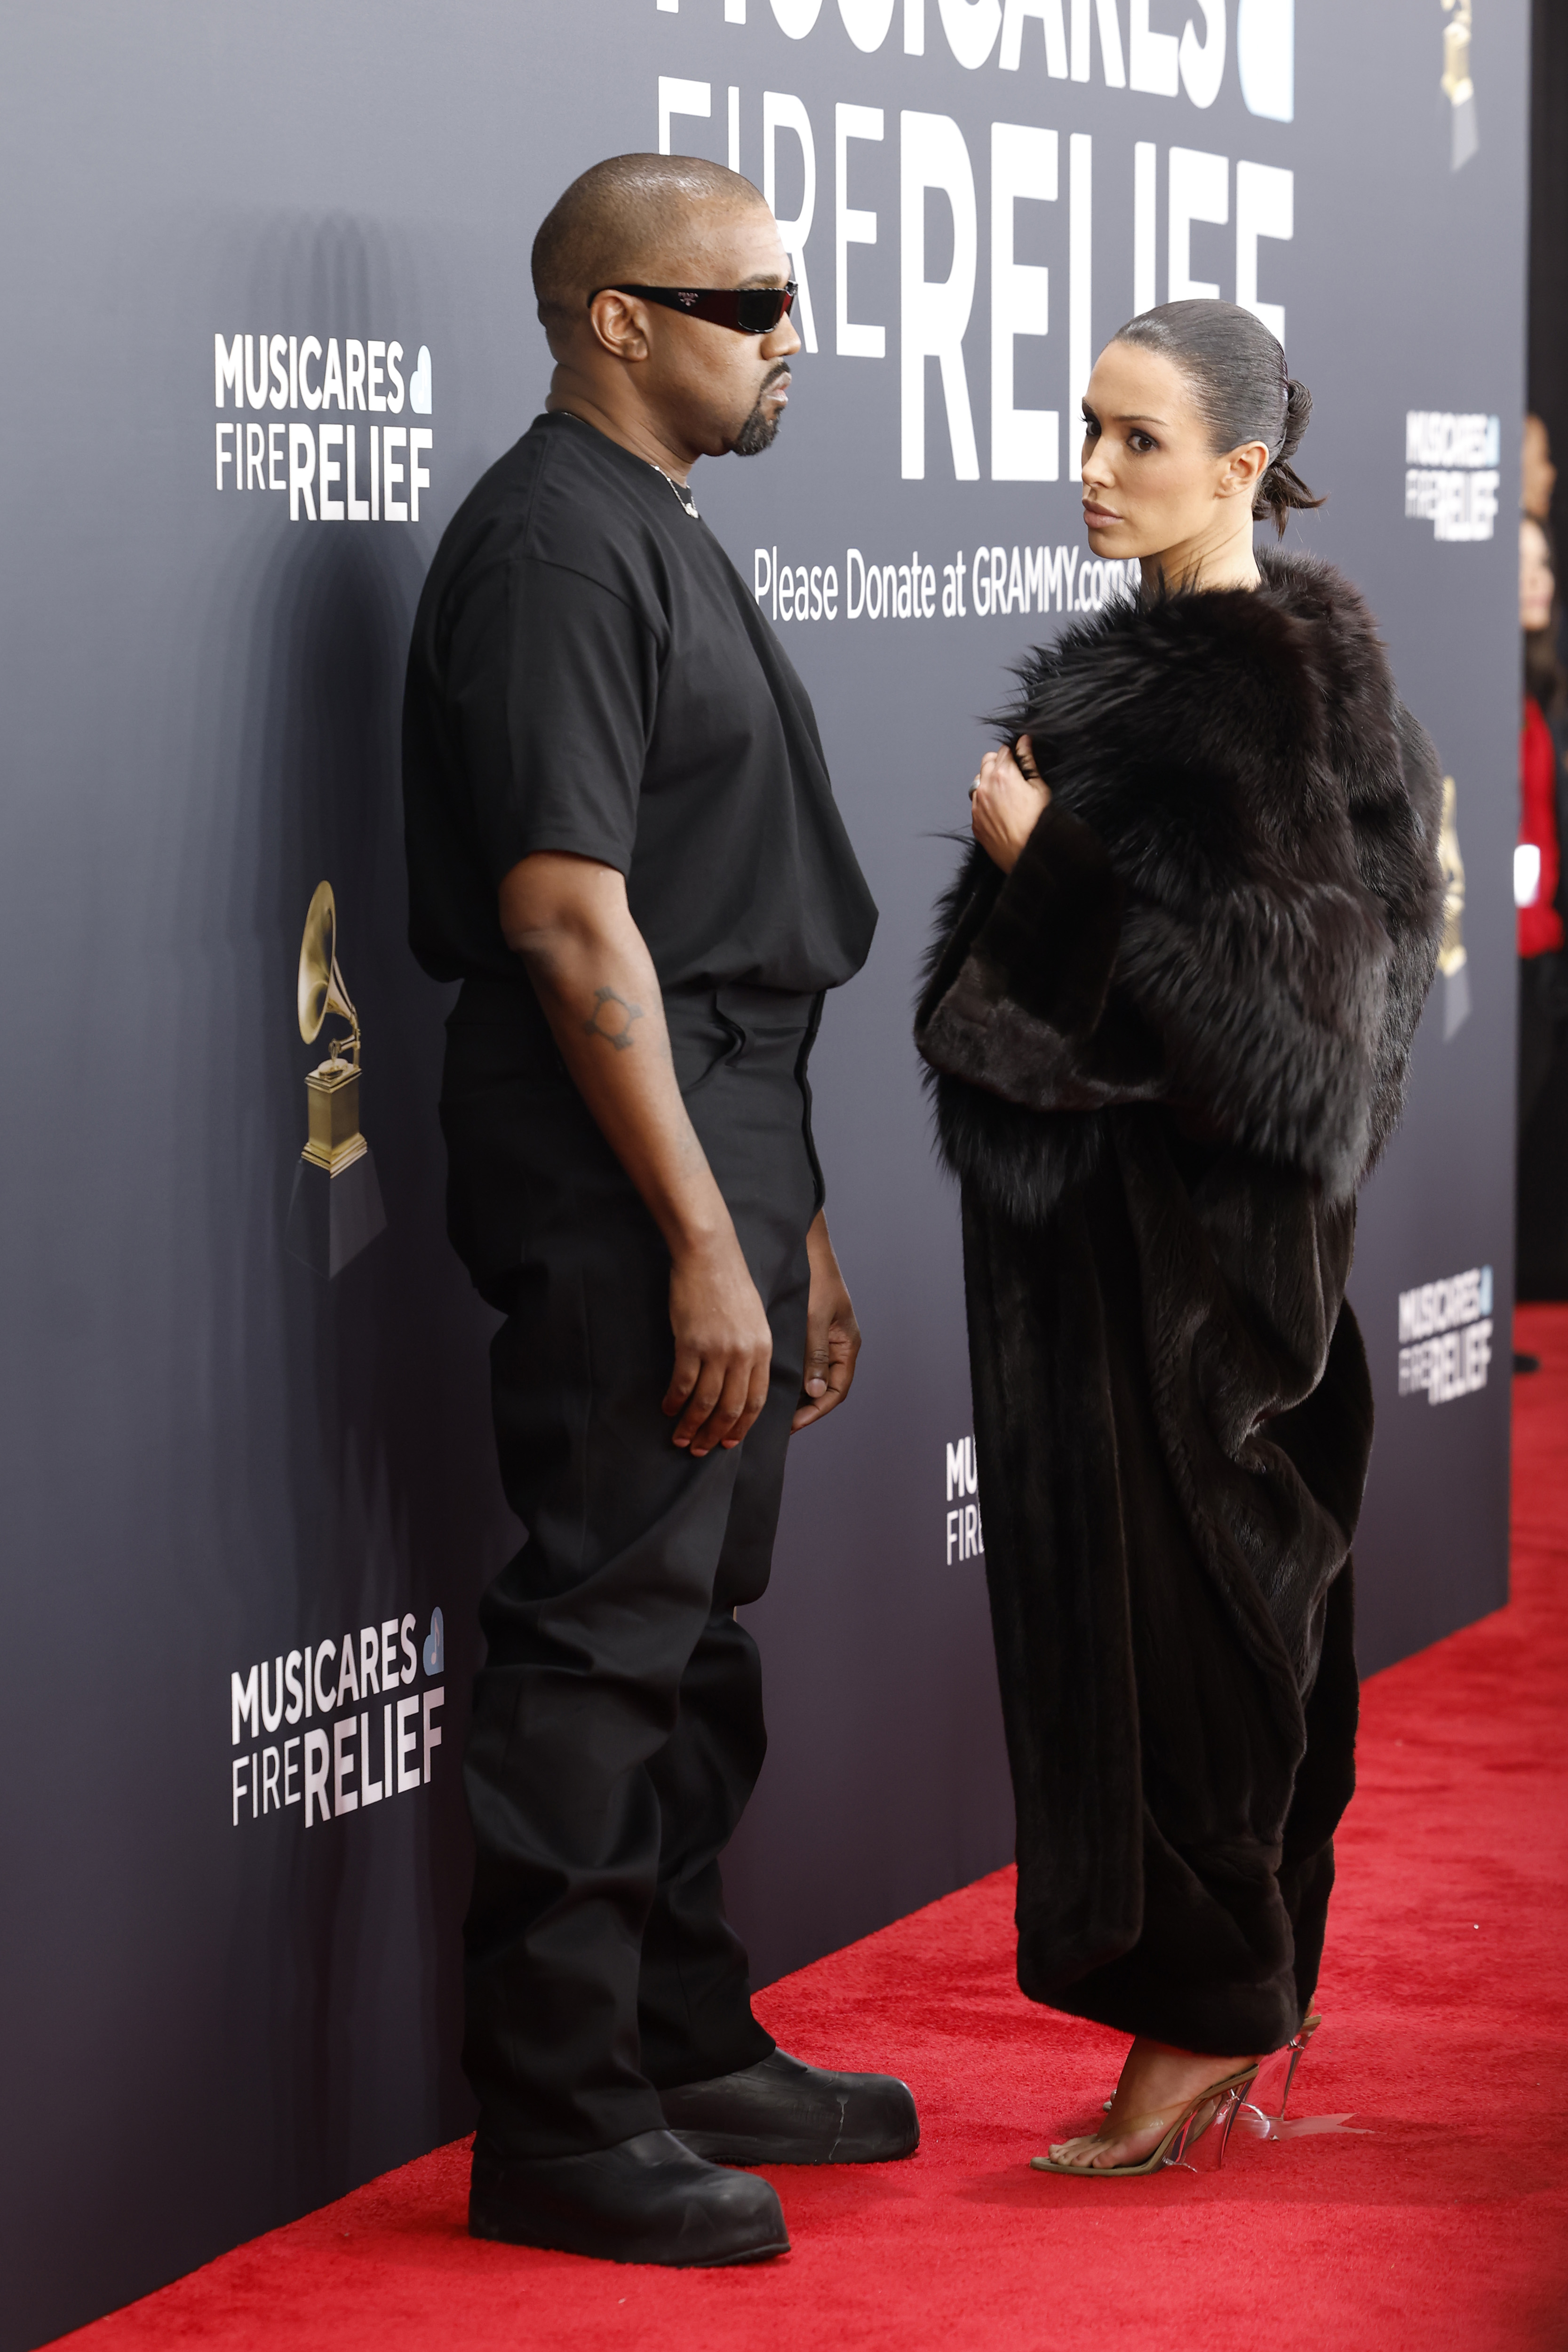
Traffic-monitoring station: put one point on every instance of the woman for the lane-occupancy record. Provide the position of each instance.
(1171, 1018)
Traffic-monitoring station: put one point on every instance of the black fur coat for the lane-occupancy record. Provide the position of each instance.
(1168, 1047)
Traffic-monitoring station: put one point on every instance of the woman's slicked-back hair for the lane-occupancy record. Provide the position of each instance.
(1240, 387)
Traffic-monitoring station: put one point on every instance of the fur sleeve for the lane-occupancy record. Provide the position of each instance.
(1020, 987)
(1269, 1007)
(1258, 1014)
(1021, 1159)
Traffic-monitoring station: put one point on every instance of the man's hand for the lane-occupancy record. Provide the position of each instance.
(723, 1348)
(832, 1334)
(1006, 801)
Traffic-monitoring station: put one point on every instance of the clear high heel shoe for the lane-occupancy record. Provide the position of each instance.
(1295, 2049)
(1262, 2124)
(1186, 2125)
(1292, 2052)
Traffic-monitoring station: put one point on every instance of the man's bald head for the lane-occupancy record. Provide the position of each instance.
(636, 219)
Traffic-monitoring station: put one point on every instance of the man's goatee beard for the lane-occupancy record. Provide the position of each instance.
(760, 430)
(757, 433)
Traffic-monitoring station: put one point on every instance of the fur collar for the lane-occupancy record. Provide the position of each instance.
(1210, 727)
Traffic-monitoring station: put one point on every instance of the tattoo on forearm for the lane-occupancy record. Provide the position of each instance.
(614, 1026)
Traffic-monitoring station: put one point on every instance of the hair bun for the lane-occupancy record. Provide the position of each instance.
(1298, 411)
(1283, 491)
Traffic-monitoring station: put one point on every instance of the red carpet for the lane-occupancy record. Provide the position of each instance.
(1446, 1995)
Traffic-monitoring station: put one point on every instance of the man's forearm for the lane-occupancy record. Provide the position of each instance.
(594, 980)
(567, 918)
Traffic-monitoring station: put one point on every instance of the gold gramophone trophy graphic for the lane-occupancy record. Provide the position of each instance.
(337, 1209)
(331, 1091)
(1451, 958)
(1457, 86)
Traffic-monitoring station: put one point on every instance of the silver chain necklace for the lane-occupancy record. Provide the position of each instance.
(687, 503)
(681, 492)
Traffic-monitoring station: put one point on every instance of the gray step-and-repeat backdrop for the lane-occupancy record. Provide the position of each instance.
(268, 317)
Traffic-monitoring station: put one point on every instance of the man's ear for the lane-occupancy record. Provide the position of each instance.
(618, 324)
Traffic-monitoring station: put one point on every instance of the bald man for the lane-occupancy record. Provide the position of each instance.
(623, 841)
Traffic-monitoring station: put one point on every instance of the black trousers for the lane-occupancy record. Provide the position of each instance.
(618, 1725)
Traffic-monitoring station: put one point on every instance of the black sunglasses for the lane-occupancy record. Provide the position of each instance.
(749, 309)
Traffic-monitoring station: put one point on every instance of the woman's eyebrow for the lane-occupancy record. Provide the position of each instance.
(1138, 420)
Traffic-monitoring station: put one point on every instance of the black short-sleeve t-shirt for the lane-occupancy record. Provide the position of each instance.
(590, 673)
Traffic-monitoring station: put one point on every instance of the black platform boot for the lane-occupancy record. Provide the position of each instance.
(782, 2112)
(649, 2200)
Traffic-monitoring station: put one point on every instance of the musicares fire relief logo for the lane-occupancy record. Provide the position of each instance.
(376, 1750)
(1446, 1336)
(1452, 471)
(965, 1530)
(352, 465)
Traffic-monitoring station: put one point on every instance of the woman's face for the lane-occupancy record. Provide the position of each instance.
(1538, 475)
(1151, 480)
(1536, 584)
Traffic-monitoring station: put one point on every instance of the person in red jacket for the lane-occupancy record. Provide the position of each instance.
(1536, 858)
(1537, 875)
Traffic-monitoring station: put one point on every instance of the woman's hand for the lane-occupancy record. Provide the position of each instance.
(1006, 802)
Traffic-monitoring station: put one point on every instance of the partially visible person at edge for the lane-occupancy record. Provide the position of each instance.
(1537, 487)
(1543, 1202)
(623, 841)
(1537, 474)
(1170, 1015)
